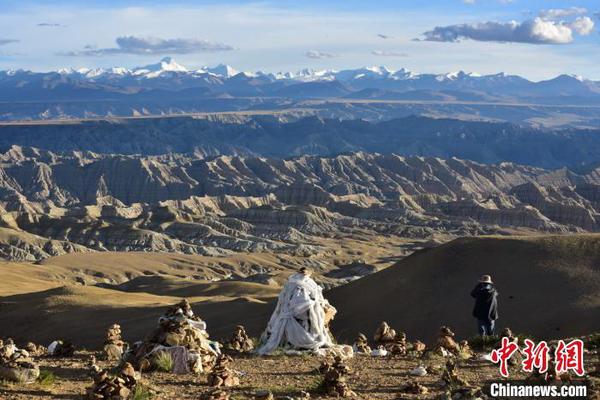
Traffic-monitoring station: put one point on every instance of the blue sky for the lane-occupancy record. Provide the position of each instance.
(535, 38)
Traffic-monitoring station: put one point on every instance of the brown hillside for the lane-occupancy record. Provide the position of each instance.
(549, 287)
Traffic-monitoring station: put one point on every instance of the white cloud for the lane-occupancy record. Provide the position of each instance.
(556, 13)
(582, 25)
(319, 54)
(383, 53)
(153, 46)
(468, 1)
(536, 31)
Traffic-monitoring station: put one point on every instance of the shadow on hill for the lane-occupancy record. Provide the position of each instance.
(82, 315)
(549, 287)
(169, 286)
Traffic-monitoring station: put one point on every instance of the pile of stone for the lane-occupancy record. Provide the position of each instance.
(215, 394)
(108, 387)
(16, 365)
(222, 374)
(35, 350)
(114, 346)
(508, 333)
(361, 345)
(334, 378)
(419, 346)
(384, 335)
(415, 387)
(240, 341)
(60, 348)
(182, 335)
(398, 346)
(450, 376)
(446, 342)
(465, 350)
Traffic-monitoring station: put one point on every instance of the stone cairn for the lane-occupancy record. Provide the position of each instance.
(114, 346)
(414, 387)
(507, 332)
(419, 346)
(16, 365)
(183, 335)
(450, 375)
(466, 351)
(107, 387)
(240, 341)
(398, 346)
(222, 374)
(334, 378)
(361, 344)
(384, 335)
(35, 350)
(215, 394)
(446, 342)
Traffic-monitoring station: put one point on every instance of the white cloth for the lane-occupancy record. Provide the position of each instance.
(299, 318)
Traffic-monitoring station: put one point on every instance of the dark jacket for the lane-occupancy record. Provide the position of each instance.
(486, 302)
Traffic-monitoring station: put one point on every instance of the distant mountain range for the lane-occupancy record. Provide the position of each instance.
(367, 83)
(169, 88)
(269, 136)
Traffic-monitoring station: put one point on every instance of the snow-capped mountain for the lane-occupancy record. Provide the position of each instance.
(167, 83)
(382, 74)
(221, 70)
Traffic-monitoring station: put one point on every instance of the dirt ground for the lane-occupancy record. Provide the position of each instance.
(284, 376)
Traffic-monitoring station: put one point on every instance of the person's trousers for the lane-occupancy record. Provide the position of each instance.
(486, 327)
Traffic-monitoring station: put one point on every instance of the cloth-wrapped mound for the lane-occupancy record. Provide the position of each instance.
(301, 319)
(182, 335)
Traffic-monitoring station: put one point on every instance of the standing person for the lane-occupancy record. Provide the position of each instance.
(486, 305)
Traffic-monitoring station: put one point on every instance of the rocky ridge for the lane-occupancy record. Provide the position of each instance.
(54, 203)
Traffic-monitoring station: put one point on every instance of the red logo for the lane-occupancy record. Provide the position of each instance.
(567, 356)
(503, 354)
(536, 356)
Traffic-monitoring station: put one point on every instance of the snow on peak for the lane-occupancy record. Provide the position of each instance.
(452, 76)
(167, 64)
(221, 70)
